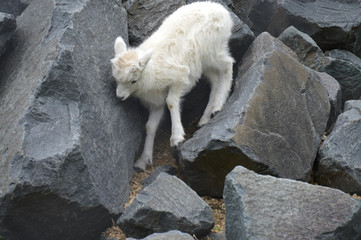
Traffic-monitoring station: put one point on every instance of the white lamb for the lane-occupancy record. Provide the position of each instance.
(191, 41)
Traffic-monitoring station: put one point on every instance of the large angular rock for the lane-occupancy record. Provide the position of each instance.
(334, 95)
(332, 24)
(264, 207)
(309, 54)
(167, 204)
(171, 235)
(272, 123)
(339, 162)
(7, 27)
(67, 144)
(345, 67)
(307, 51)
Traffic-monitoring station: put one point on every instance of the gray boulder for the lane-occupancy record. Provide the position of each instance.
(272, 123)
(323, 20)
(309, 54)
(7, 27)
(167, 204)
(264, 207)
(339, 162)
(307, 51)
(171, 235)
(158, 170)
(334, 95)
(345, 67)
(67, 144)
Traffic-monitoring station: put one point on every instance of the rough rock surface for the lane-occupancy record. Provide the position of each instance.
(272, 123)
(307, 51)
(153, 176)
(334, 95)
(339, 162)
(264, 207)
(309, 54)
(167, 204)
(67, 145)
(345, 67)
(7, 27)
(332, 24)
(171, 235)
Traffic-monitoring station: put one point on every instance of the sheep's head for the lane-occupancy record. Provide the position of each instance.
(128, 66)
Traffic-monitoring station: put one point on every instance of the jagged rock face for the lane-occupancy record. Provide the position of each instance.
(166, 204)
(272, 122)
(332, 24)
(67, 144)
(264, 207)
(339, 162)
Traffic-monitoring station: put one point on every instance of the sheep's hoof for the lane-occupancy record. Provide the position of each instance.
(140, 165)
(174, 141)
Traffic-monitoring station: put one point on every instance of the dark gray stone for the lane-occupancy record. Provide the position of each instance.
(272, 123)
(14, 7)
(171, 235)
(334, 95)
(339, 162)
(167, 204)
(264, 207)
(67, 144)
(307, 51)
(345, 67)
(332, 24)
(7, 27)
(144, 17)
(153, 176)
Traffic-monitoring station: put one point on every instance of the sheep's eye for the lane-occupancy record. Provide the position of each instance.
(134, 81)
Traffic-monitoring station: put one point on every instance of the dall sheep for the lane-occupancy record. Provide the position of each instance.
(191, 41)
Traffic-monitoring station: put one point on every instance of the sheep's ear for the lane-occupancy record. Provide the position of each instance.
(145, 57)
(119, 46)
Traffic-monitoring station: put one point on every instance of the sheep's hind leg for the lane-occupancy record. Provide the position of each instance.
(155, 115)
(225, 84)
(213, 78)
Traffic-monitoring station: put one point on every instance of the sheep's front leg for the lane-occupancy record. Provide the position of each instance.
(173, 103)
(155, 115)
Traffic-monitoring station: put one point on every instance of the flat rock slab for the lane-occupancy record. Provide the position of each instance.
(167, 204)
(272, 123)
(339, 162)
(265, 207)
(67, 144)
(171, 235)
